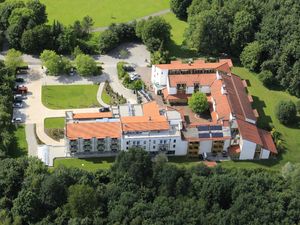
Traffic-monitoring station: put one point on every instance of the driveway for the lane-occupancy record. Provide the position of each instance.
(34, 112)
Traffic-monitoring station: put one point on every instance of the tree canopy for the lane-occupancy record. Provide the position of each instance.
(198, 102)
(137, 190)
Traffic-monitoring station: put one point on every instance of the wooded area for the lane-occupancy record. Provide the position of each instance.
(138, 191)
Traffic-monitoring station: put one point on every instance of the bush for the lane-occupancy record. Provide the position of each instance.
(286, 112)
(266, 77)
(198, 102)
(86, 65)
(298, 106)
(120, 69)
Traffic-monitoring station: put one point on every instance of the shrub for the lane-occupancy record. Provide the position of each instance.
(198, 102)
(286, 112)
(120, 69)
(266, 77)
(86, 65)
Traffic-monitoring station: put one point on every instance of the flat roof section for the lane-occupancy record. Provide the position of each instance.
(98, 115)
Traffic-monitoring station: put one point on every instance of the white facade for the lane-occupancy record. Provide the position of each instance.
(247, 149)
(159, 78)
(264, 154)
(205, 146)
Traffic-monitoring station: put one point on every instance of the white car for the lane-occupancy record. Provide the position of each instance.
(134, 76)
(17, 120)
(18, 105)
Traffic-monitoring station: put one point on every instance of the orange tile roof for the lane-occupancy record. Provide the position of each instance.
(222, 104)
(95, 129)
(151, 120)
(267, 141)
(238, 98)
(97, 115)
(197, 64)
(151, 109)
(210, 163)
(249, 131)
(191, 79)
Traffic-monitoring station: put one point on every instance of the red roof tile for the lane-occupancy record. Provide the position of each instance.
(191, 79)
(249, 131)
(98, 115)
(238, 98)
(95, 129)
(267, 141)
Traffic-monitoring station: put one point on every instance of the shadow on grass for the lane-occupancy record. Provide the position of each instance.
(264, 121)
(295, 125)
(100, 159)
(179, 51)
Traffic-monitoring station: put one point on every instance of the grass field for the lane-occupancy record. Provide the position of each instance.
(70, 96)
(103, 12)
(91, 164)
(175, 47)
(21, 147)
(54, 123)
(265, 101)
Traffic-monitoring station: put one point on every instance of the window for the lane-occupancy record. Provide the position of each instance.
(154, 142)
(174, 141)
(127, 148)
(145, 142)
(153, 146)
(133, 142)
(165, 141)
(174, 146)
(161, 141)
(138, 142)
(127, 143)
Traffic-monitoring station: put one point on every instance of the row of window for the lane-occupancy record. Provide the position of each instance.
(145, 142)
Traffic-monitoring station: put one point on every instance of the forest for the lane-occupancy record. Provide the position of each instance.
(264, 35)
(138, 190)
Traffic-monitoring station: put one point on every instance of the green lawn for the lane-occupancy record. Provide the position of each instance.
(70, 96)
(90, 164)
(21, 147)
(54, 123)
(265, 101)
(103, 12)
(105, 97)
(175, 47)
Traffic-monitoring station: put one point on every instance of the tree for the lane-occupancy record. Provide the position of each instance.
(266, 77)
(27, 206)
(13, 60)
(82, 200)
(154, 30)
(39, 11)
(108, 40)
(243, 30)
(198, 102)
(86, 24)
(179, 8)
(207, 32)
(37, 39)
(136, 164)
(251, 56)
(286, 112)
(86, 65)
(54, 63)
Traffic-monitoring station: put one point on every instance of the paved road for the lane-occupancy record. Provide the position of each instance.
(160, 13)
(31, 140)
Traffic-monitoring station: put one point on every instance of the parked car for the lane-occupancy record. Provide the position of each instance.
(224, 154)
(19, 80)
(128, 67)
(104, 109)
(18, 105)
(72, 72)
(134, 76)
(19, 96)
(21, 89)
(17, 120)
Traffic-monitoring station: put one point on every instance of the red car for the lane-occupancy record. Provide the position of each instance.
(21, 89)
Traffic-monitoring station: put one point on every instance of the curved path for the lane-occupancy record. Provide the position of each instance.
(160, 13)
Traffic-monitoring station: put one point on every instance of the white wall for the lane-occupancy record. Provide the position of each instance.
(189, 90)
(247, 149)
(172, 90)
(205, 89)
(226, 145)
(205, 146)
(264, 154)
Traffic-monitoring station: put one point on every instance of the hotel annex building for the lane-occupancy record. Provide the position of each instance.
(172, 128)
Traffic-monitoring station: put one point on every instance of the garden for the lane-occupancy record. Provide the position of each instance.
(110, 97)
(54, 127)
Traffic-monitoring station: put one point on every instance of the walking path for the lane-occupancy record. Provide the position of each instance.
(160, 13)
(31, 140)
(99, 94)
